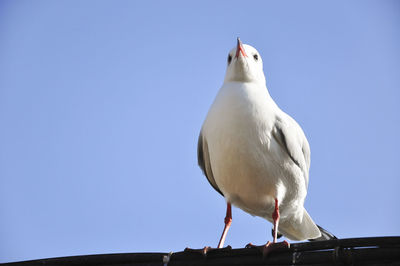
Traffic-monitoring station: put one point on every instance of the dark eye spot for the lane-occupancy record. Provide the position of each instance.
(255, 57)
(229, 59)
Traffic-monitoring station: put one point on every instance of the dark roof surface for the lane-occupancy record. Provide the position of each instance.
(351, 251)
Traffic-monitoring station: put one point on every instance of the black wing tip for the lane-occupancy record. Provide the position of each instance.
(272, 233)
(325, 235)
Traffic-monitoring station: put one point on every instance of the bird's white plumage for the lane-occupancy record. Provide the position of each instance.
(257, 152)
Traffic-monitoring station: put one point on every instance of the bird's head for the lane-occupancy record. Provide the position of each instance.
(244, 64)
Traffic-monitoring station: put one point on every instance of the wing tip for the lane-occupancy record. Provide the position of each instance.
(325, 235)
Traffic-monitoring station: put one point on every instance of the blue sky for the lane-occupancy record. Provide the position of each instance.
(101, 103)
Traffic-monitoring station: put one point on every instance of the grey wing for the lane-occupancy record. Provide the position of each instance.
(291, 138)
(203, 159)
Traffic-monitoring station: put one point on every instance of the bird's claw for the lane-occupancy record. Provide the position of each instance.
(204, 251)
(270, 247)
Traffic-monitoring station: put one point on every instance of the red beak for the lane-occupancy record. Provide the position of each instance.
(240, 49)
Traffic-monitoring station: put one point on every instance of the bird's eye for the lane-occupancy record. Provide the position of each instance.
(229, 59)
(255, 57)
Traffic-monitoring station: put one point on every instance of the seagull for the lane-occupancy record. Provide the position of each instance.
(255, 155)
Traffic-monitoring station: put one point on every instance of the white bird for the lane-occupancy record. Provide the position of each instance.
(254, 154)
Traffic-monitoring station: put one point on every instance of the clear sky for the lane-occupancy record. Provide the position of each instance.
(101, 103)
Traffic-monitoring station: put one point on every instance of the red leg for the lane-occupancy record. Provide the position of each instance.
(274, 245)
(269, 247)
(228, 221)
(275, 217)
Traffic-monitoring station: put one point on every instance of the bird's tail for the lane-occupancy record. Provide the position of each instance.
(325, 235)
(306, 229)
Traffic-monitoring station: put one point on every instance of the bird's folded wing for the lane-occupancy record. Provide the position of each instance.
(203, 158)
(292, 140)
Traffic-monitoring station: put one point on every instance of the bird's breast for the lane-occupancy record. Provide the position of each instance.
(238, 131)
